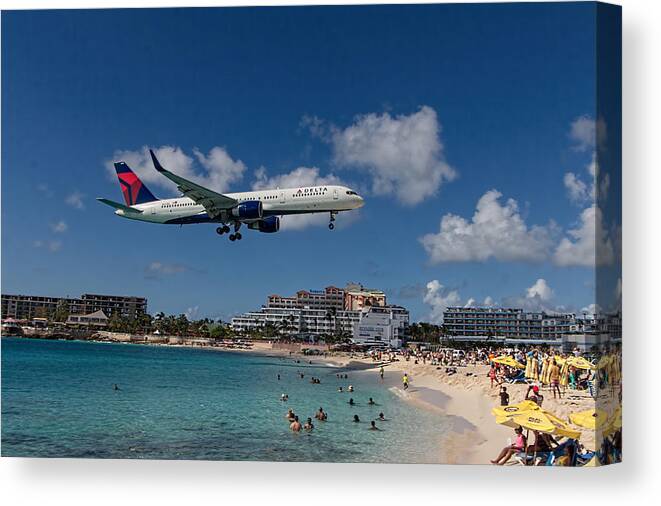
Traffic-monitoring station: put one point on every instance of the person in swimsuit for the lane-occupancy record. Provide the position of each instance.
(506, 453)
(295, 425)
(356, 419)
(373, 426)
(382, 417)
(308, 425)
(554, 375)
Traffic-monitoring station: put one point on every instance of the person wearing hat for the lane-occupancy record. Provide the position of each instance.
(536, 397)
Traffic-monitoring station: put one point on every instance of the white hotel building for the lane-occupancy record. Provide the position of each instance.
(316, 313)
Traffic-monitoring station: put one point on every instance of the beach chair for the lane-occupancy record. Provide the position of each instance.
(519, 378)
(530, 459)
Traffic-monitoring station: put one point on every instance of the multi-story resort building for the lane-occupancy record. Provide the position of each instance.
(315, 313)
(27, 307)
(515, 325)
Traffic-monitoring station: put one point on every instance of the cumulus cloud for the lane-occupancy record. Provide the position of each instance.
(439, 298)
(300, 177)
(59, 227)
(577, 190)
(159, 270)
(402, 154)
(496, 230)
(588, 134)
(52, 245)
(216, 170)
(587, 244)
(540, 289)
(75, 200)
(192, 312)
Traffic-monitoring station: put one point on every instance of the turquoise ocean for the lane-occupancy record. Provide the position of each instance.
(180, 403)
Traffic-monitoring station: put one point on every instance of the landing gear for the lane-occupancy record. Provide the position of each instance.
(331, 225)
(236, 236)
(222, 230)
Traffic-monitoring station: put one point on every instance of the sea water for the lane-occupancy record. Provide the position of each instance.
(58, 400)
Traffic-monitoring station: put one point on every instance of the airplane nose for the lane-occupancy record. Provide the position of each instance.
(360, 201)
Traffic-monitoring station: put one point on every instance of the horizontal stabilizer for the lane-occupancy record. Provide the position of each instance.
(117, 205)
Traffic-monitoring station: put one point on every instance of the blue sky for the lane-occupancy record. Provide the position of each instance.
(425, 110)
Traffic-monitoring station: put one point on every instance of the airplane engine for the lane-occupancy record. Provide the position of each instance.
(268, 225)
(251, 210)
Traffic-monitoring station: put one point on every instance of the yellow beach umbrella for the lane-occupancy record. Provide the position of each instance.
(509, 361)
(538, 420)
(590, 419)
(580, 363)
(504, 411)
(614, 422)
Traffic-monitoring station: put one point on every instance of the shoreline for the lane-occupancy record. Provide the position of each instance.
(465, 396)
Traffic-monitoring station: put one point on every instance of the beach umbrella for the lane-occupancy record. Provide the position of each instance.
(504, 411)
(539, 420)
(590, 419)
(614, 422)
(508, 361)
(580, 363)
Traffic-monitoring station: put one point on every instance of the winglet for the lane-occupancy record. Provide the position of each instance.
(157, 164)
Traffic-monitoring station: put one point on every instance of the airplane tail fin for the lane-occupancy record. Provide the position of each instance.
(134, 190)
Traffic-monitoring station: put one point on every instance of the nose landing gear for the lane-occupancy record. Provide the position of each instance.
(331, 225)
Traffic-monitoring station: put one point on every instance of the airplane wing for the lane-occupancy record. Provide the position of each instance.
(213, 202)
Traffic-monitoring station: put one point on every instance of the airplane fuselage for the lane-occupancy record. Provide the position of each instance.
(275, 202)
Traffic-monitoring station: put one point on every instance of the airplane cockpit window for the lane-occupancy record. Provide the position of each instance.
(351, 192)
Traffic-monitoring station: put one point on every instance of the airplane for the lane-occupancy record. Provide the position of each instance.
(258, 210)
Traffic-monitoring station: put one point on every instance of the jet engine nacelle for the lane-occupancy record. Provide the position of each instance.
(268, 225)
(251, 210)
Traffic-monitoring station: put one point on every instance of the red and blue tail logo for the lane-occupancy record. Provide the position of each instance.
(134, 190)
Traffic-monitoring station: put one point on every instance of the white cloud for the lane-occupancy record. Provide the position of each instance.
(495, 231)
(59, 227)
(51, 246)
(540, 289)
(218, 169)
(192, 312)
(402, 154)
(439, 298)
(300, 177)
(586, 245)
(157, 269)
(577, 190)
(470, 302)
(583, 132)
(75, 200)
(489, 302)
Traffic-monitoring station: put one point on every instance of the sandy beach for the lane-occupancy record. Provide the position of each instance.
(466, 394)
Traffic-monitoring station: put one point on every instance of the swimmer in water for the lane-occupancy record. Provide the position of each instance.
(284, 397)
(351, 401)
(290, 415)
(278, 377)
(350, 388)
(295, 425)
(382, 417)
(371, 402)
(115, 386)
(356, 419)
(340, 390)
(308, 425)
(373, 426)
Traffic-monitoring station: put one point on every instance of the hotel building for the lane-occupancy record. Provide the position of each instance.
(26, 307)
(315, 313)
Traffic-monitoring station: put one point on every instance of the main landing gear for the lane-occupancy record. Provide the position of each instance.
(331, 225)
(224, 229)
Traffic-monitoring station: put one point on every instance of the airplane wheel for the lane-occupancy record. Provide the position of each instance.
(238, 236)
(331, 226)
(226, 229)
(232, 237)
(220, 230)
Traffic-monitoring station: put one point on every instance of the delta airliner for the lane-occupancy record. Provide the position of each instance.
(259, 210)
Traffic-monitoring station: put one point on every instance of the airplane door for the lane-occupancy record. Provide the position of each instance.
(282, 197)
(335, 195)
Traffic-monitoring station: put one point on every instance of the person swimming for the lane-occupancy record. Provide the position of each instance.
(373, 426)
(115, 386)
(382, 417)
(295, 425)
(291, 416)
(356, 419)
(351, 401)
(284, 397)
(278, 377)
(340, 389)
(371, 402)
(308, 425)
(350, 388)
(321, 415)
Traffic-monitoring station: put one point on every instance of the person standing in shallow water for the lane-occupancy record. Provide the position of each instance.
(381, 372)
(405, 381)
(295, 425)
